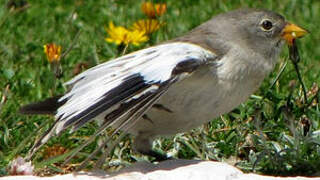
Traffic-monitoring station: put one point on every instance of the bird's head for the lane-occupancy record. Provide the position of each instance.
(261, 30)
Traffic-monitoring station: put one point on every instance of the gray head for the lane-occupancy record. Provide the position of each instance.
(261, 30)
(257, 29)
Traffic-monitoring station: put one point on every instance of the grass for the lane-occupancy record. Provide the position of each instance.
(274, 132)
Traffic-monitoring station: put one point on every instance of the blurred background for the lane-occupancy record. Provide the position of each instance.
(45, 43)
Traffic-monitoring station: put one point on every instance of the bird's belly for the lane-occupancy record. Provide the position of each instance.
(191, 103)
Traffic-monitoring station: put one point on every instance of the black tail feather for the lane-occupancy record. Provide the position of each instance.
(48, 106)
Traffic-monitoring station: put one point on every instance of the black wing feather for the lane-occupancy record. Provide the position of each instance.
(127, 88)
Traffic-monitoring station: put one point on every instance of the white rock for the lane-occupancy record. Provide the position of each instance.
(167, 170)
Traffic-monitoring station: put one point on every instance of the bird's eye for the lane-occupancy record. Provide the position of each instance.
(266, 25)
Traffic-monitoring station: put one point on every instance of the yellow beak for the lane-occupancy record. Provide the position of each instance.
(291, 32)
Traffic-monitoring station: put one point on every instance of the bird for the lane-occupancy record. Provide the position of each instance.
(174, 86)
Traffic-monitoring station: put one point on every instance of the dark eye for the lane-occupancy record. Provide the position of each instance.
(266, 25)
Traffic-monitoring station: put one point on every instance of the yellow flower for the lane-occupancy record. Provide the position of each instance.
(117, 35)
(121, 35)
(136, 37)
(53, 52)
(148, 26)
(153, 10)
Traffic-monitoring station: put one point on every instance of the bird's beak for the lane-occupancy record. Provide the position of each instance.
(291, 32)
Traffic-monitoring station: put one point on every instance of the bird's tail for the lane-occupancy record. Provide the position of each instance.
(48, 106)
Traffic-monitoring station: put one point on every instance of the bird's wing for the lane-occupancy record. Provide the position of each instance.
(130, 78)
(126, 86)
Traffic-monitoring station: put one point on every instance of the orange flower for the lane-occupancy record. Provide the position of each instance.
(153, 10)
(53, 52)
(148, 26)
